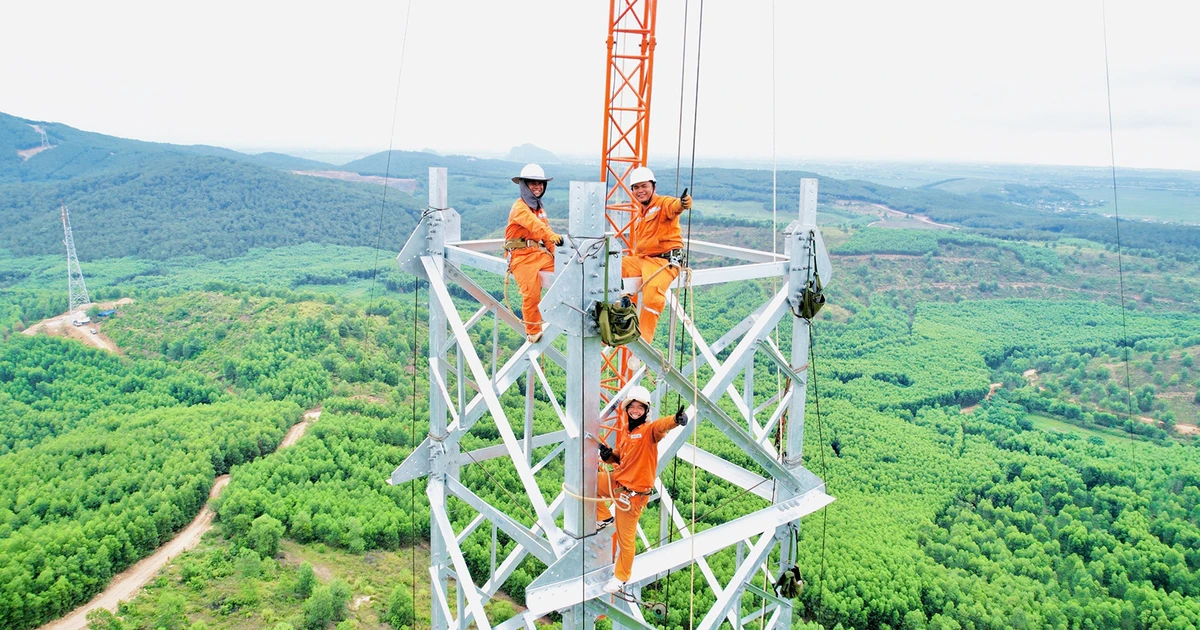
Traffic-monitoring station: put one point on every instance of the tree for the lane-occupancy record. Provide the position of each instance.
(319, 609)
(265, 532)
(400, 613)
(305, 580)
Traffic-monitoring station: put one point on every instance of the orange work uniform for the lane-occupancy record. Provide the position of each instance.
(524, 263)
(634, 477)
(656, 233)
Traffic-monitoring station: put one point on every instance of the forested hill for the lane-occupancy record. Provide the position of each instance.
(160, 201)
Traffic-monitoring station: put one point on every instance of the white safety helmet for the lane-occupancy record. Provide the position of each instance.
(532, 172)
(638, 393)
(642, 174)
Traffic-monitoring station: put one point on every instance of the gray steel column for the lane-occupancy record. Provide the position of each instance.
(799, 269)
(441, 462)
(581, 457)
(800, 264)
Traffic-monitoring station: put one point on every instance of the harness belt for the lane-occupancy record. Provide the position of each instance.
(674, 256)
(514, 244)
(627, 490)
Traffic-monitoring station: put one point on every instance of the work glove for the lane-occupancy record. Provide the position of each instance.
(681, 418)
(686, 201)
(607, 454)
(557, 239)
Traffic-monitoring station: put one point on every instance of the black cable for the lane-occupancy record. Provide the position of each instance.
(1112, 154)
(412, 439)
(812, 369)
(387, 171)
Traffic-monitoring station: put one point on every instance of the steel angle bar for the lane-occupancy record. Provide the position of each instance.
(480, 245)
(514, 559)
(551, 456)
(775, 417)
(461, 256)
(440, 595)
(570, 588)
(690, 327)
(492, 402)
(728, 471)
(465, 586)
(723, 374)
(601, 607)
(451, 342)
(770, 596)
(707, 408)
(500, 450)
(772, 352)
(470, 528)
(518, 532)
(770, 401)
(441, 385)
(727, 598)
(738, 253)
(483, 297)
(735, 333)
(572, 431)
(668, 503)
(738, 273)
(524, 620)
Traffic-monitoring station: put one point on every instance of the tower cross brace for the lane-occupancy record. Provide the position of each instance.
(558, 528)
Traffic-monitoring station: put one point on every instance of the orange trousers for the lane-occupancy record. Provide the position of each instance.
(627, 521)
(655, 281)
(524, 265)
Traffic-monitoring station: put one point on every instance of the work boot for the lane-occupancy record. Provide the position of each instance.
(614, 586)
(534, 337)
(600, 525)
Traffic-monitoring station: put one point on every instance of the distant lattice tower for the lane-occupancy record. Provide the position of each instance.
(75, 285)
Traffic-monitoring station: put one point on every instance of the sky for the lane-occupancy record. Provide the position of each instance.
(1016, 81)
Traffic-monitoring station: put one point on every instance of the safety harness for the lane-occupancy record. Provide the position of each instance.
(516, 244)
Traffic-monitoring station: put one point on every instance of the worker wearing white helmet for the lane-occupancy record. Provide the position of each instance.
(631, 482)
(657, 245)
(529, 245)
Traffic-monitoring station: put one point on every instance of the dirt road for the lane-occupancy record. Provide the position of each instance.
(126, 584)
(61, 326)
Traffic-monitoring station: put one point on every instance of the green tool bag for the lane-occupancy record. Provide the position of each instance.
(618, 322)
(812, 298)
(790, 583)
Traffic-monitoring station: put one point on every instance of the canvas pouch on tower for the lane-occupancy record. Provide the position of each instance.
(618, 322)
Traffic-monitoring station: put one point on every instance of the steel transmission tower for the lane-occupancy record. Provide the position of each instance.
(554, 461)
(76, 288)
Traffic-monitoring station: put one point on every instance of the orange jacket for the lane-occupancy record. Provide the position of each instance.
(526, 223)
(656, 226)
(638, 450)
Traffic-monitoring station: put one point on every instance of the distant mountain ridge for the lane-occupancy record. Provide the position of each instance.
(160, 201)
(527, 153)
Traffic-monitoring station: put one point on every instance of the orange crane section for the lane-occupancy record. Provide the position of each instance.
(627, 90)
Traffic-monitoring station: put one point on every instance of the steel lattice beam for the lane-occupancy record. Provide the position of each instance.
(462, 391)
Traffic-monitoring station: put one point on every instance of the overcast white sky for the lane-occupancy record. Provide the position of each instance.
(1012, 81)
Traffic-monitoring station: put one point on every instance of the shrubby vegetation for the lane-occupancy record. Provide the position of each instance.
(77, 508)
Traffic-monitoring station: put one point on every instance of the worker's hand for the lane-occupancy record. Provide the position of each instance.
(686, 201)
(607, 455)
(681, 418)
(557, 239)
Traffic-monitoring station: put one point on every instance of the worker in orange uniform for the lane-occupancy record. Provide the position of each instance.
(658, 246)
(631, 483)
(529, 245)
